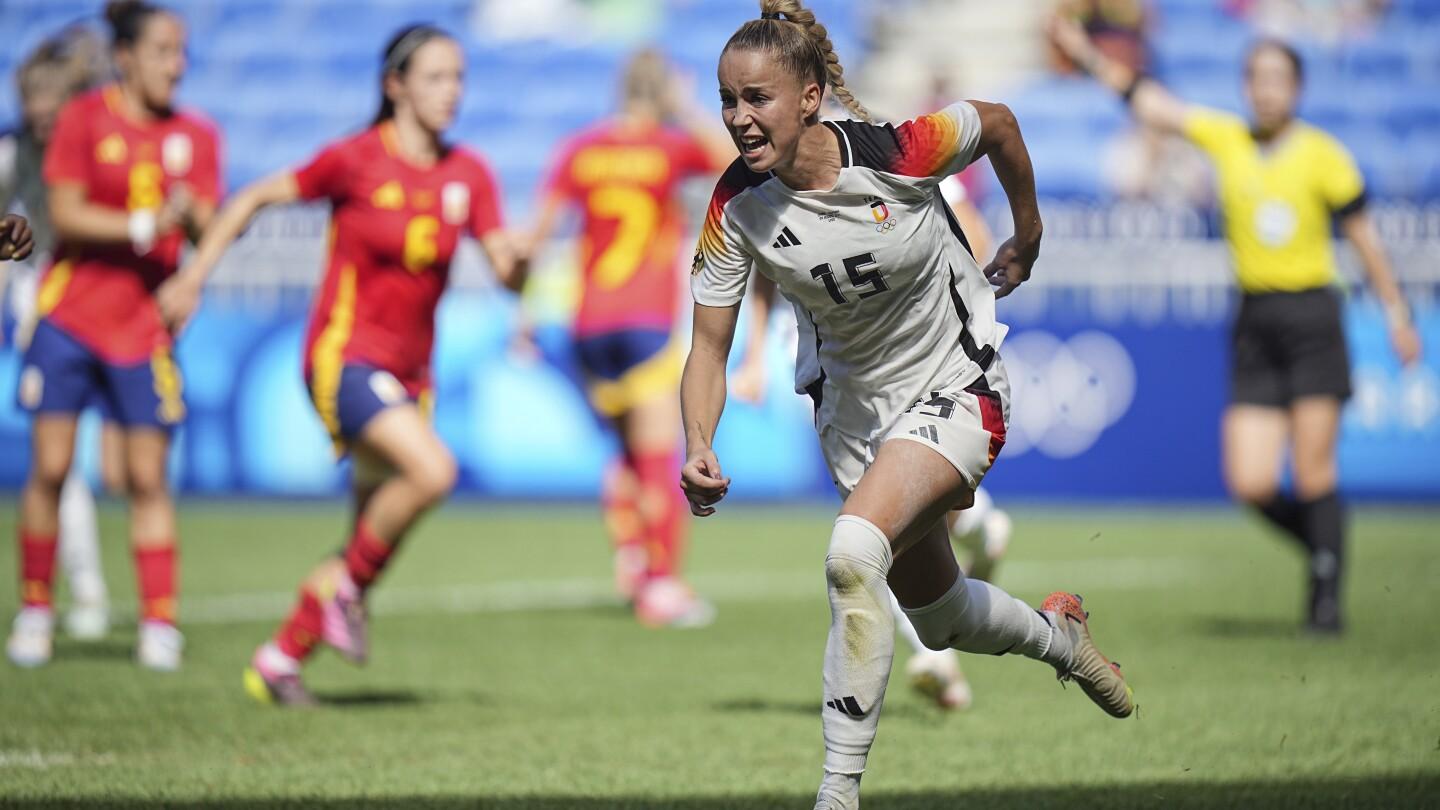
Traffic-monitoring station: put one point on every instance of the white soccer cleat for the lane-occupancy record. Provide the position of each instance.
(936, 674)
(32, 638)
(160, 646)
(668, 602)
(995, 534)
(87, 621)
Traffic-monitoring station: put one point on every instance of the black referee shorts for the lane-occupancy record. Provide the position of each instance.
(1287, 345)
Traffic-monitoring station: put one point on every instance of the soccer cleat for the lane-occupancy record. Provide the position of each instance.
(668, 602)
(87, 621)
(273, 679)
(160, 646)
(937, 676)
(996, 541)
(32, 638)
(344, 621)
(1099, 679)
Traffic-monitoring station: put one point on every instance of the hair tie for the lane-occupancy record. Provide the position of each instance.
(770, 15)
(407, 46)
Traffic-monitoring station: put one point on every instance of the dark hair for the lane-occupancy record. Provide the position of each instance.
(1286, 49)
(801, 45)
(396, 59)
(127, 18)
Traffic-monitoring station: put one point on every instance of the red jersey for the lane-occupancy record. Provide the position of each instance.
(102, 294)
(394, 229)
(626, 181)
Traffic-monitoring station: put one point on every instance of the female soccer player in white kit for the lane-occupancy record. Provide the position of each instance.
(846, 219)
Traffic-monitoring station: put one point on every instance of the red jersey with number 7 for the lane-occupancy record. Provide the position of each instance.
(625, 180)
(394, 229)
(103, 294)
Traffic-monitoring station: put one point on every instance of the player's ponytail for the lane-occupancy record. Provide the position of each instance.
(126, 19)
(801, 44)
(396, 60)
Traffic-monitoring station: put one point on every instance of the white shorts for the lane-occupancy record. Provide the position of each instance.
(963, 423)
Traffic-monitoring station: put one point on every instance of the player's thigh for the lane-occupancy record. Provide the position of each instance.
(52, 446)
(1314, 429)
(112, 456)
(146, 457)
(1253, 439)
(926, 570)
(906, 491)
(402, 437)
(652, 426)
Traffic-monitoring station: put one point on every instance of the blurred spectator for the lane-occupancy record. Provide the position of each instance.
(1325, 20)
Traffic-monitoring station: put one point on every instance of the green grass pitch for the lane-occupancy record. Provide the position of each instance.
(505, 676)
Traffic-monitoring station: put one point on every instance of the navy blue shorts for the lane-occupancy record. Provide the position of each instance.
(628, 367)
(60, 375)
(348, 401)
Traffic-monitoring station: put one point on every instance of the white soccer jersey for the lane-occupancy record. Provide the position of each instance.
(890, 303)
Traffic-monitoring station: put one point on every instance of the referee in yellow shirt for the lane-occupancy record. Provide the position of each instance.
(1281, 184)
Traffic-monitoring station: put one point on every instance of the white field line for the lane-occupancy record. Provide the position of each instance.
(1125, 573)
(38, 760)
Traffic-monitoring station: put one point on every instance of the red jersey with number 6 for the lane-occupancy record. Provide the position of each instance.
(103, 294)
(625, 179)
(394, 230)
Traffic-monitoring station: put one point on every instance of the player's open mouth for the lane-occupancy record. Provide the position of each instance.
(752, 145)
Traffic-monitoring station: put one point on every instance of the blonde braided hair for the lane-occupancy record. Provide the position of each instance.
(801, 44)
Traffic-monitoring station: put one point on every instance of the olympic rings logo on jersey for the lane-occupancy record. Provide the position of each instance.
(881, 212)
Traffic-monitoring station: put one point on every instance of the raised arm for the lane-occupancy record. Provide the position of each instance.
(1001, 141)
(180, 295)
(702, 399)
(1151, 104)
(1360, 230)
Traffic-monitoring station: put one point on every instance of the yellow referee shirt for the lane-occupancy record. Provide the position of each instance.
(1277, 202)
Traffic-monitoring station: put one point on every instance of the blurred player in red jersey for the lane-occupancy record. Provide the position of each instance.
(624, 174)
(129, 178)
(402, 197)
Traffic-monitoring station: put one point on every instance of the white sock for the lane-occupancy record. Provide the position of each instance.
(906, 629)
(861, 644)
(79, 541)
(839, 791)
(977, 617)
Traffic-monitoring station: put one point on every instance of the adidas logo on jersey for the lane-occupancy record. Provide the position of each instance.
(786, 239)
(847, 706)
(927, 432)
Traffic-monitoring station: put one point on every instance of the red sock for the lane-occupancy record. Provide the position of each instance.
(37, 568)
(622, 515)
(665, 519)
(366, 555)
(156, 570)
(300, 633)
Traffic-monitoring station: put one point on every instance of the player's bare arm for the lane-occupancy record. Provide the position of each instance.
(180, 295)
(702, 399)
(508, 257)
(1001, 141)
(1151, 104)
(1359, 228)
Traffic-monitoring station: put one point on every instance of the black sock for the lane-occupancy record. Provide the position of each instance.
(1287, 514)
(1325, 535)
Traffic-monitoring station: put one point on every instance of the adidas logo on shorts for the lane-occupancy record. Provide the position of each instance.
(927, 432)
